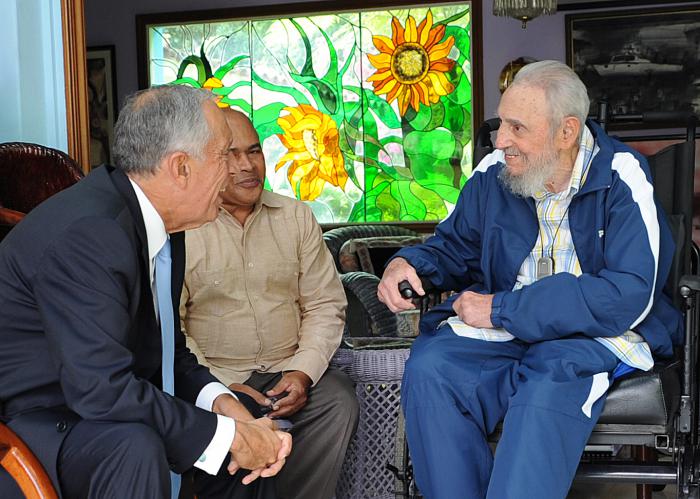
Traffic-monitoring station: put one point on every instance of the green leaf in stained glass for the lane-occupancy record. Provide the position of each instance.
(323, 93)
(293, 92)
(438, 175)
(462, 94)
(346, 65)
(268, 113)
(383, 110)
(371, 145)
(372, 211)
(420, 119)
(223, 70)
(308, 69)
(388, 206)
(410, 206)
(229, 89)
(239, 103)
(454, 18)
(437, 116)
(454, 116)
(462, 42)
(332, 73)
(439, 143)
(199, 66)
(205, 62)
(435, 208)
(265, 120)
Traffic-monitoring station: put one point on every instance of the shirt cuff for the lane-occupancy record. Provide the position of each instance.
(213, 456)
(206, 397)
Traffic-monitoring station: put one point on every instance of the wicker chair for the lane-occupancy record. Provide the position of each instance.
(335, 238)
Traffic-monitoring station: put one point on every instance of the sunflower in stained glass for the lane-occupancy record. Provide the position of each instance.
(411, 65)
(311, 138)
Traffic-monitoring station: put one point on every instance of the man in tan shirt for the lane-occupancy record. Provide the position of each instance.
(264, 309)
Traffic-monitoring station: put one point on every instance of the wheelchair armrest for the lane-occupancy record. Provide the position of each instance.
(689, 283)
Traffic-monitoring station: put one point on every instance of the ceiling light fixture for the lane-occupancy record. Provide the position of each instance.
(524, 10)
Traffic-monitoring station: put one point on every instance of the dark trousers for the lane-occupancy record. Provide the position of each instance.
(321, 434)
(117, 460)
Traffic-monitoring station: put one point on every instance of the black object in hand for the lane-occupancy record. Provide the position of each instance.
(265, 409)
(407, 290)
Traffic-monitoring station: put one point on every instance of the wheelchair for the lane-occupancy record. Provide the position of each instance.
(654, 414)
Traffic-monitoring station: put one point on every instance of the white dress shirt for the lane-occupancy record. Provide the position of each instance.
(213, 456)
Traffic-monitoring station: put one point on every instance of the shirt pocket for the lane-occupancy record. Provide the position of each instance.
(282, 282)
(216, 293)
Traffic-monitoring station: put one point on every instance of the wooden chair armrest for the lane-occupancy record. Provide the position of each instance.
(24, 467)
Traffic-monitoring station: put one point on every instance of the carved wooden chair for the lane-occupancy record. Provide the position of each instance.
(30, 173)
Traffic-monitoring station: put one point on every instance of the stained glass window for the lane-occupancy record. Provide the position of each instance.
(366, 116)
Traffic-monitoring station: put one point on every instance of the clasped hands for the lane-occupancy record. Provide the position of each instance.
(474, 309)
(258, 445)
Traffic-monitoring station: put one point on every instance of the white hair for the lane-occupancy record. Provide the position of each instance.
(563, 90)
(156, 122)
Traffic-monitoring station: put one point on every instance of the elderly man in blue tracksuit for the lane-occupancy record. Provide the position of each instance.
(561, 253)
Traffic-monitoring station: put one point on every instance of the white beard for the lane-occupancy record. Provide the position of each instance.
(538, 171)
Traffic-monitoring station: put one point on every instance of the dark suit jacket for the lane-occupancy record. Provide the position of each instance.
(78, 330)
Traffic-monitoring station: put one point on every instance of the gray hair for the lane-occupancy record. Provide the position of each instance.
(563, 89)
(156, 122)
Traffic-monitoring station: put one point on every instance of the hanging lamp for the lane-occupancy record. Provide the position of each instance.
(524, 10)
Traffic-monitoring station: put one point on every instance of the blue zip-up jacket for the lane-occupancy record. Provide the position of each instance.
(622, 241)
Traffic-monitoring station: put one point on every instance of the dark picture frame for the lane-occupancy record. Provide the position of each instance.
(638, 60)
(102, 102)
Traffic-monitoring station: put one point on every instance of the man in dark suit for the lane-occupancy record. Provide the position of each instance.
(80, 340)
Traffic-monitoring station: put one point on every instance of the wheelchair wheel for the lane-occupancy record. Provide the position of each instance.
(689, 473)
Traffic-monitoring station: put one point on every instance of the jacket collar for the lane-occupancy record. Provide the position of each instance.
(123, 186)
(600, 172)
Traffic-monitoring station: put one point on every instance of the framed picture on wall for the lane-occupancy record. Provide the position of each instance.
(365, 114)
(638, 60)
(102, 102)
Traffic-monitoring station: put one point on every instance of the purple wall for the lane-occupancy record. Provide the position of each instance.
(113, 23)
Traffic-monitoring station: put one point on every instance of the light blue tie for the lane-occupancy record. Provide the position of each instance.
(167, 333)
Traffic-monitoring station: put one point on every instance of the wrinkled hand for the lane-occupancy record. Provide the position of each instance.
(474, 309)
(259, 447)
(296, 384)
(388, 290)
(259, 398)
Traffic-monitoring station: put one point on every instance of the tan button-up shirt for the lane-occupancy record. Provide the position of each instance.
(265, 297)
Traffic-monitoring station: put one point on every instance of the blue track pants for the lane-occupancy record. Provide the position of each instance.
(549, 395)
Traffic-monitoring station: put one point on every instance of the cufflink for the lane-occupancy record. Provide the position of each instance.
(202, 458)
